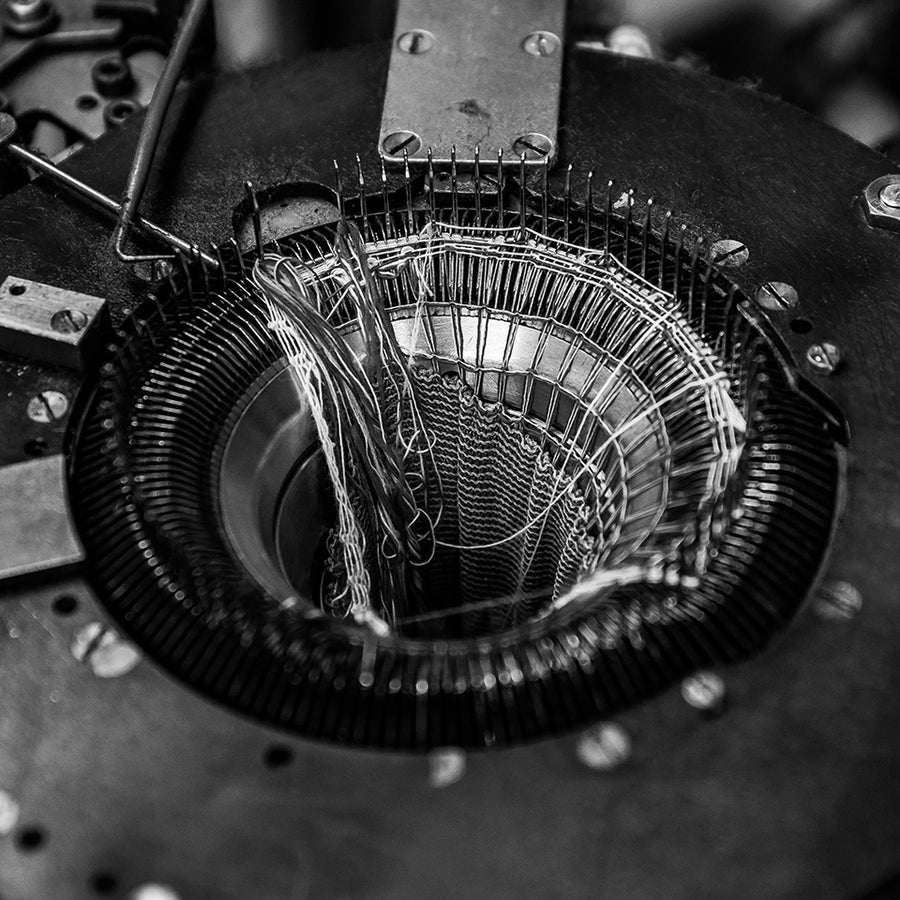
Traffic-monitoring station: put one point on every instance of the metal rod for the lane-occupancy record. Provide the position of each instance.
(23, 154)
(152, 127)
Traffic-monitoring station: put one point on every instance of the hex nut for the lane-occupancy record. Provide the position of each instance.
(879, 213)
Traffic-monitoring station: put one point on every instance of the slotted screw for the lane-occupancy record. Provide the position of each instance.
(416, 41)
(541, 43)
(729, 254)
(394, 144)
(68, 321)
(838, 601)
(603, 747)
(777, 296)
(48, 406)
(533, 145)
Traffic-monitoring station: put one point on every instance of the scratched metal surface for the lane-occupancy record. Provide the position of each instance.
(792, 793)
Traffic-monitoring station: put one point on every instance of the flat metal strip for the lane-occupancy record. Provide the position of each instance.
(36, 531)
(469, 74)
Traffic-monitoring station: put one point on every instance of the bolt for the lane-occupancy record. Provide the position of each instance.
(604, 746)
(446, 766)
(823, 357)
(837, 601)
(541, 43)
(729, 254)
(533, 145)
(881, 202)
(9, 813)
(890, 194)
(48, 406)
(394, 144)
(777, 296)
(68, 321)
(704, 691)
(108, 655)
(416, 41)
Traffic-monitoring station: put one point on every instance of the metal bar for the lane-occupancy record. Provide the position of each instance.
(152, 127)
(104, 201)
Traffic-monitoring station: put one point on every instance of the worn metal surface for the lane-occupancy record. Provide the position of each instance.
(473, 74)
(50, 324)
(792, 793)
(36, 532)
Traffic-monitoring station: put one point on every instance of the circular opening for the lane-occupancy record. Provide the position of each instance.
(35, 447)
(111, 68)
(801, 326)
(121, 109)
(65, 605)
(86, 102)
(580, 457)
(103, 883)
(17, 289)
(30, 839)
(278, 756)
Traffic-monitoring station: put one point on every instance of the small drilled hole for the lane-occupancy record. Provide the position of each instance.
(86, 102)
(801, 326)
(30, 838)
(65, 605)
(17, 290)
(35, 447)
(278, 756)
(103, 883)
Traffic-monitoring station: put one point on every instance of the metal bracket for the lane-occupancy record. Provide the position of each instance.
(36, 531)
(474, 74)
(50, 324)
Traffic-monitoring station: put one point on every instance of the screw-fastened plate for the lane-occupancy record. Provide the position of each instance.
(473, 74)
(49, 323)
(879, 203)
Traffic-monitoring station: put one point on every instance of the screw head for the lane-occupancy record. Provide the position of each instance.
(46, 407)
(603, 747)
(399, 141)
(416, 42)
(541, 43)
(446, 766)
(68, 321)
(823, 357)
(777, 296)
(704, 691)
(534, 145)
(729, 254)
(881, 202)
(837, 601)
(108, 655)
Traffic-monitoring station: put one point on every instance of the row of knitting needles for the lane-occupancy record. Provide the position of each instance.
(300, 312)
(583, 222)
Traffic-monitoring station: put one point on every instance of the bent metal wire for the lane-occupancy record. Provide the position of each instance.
(565, 355)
